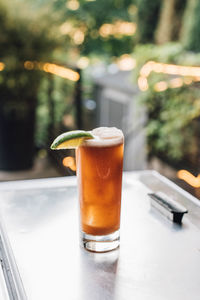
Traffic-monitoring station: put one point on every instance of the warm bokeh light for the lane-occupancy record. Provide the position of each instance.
(196, 78)
(76, 34)
(190, 73)
(68, 121)
(83, 62)
(147, 69)
(187, 80)
(158, 68)
(69, 162)
(61, 71)
(118, 28)
(66, 28)
(78, 37)
(126, 62)
(176, 82)
(189, 178)
(160, 86)
(143, 83)
(125, 28)
(72, 4)
(106, 30)
(2, 66)
(29, 65)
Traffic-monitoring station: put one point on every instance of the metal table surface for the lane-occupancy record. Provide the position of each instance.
(157, 259)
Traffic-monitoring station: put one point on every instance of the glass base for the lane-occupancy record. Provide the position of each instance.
(100, 243)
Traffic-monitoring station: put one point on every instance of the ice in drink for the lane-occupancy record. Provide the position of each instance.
(99, 171)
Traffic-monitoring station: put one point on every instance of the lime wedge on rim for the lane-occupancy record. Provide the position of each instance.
(71, 139)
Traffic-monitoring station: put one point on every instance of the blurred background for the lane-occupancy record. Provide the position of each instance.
(81, 64)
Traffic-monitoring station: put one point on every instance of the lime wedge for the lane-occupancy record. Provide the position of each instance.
(71, 139)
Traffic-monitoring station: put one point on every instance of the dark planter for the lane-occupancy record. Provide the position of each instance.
(17, 122)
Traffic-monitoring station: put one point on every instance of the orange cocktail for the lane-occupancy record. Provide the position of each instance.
(99, 171)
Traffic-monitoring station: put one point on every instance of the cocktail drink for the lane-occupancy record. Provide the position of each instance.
(99, 170)
(99, 159)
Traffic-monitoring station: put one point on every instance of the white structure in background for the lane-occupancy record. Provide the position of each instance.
(117, 105)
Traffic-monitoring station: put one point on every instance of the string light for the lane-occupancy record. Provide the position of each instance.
(191, 74)
(176, 82)
(60, 71)
(78, 37)
(69, 162)
(187, 80)
(126, 62)
(118, 28)
(2, 66)
(143, 83)
(196, 79)
(125, 28)
(66, 28)
(29, 65)
(189, 178)
(73, 4)
(83, 62)
(160, 86)
(147, 69)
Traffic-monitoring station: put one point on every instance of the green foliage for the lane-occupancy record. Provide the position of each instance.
(25, 35)
(191, 32)
(90, 16)
(168, 53)
(147, 19)
(170, 129)
(62, 102)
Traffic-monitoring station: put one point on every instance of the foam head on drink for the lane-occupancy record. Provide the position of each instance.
(99, 171)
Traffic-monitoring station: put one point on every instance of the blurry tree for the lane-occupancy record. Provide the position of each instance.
(160, 20)
(170, 21)
(172, 101)
(25, 34)
(26, 38)
(99, 27)
(172, 130)
(147, 19)
(191, 26)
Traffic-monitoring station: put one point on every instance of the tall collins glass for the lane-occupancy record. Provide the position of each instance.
(99, 171)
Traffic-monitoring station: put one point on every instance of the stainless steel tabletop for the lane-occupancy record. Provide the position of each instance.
(157, 259)
(3, 289)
